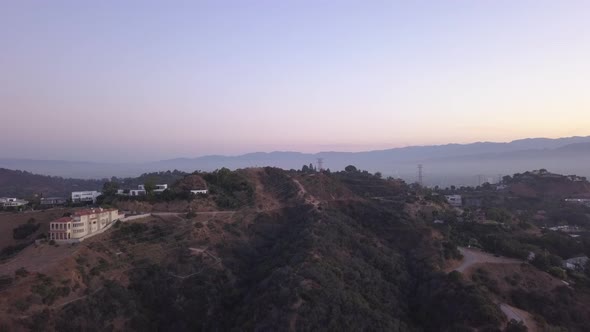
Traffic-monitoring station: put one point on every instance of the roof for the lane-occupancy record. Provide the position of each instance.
(63, 219)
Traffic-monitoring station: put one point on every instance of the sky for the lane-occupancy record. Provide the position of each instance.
(150, 80)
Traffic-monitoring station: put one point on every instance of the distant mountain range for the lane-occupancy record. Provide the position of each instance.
(458, 164)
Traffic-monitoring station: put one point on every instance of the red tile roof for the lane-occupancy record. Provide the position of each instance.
(63, 219)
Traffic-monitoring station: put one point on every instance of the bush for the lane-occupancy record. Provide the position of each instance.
(21, 272)
(557, 272)
(514, 326)
(23, 231)
(5, 281)
(22, 305)
(10, 251)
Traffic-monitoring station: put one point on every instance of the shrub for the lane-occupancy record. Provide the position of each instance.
(10, 251)
(21, 272)
(24, 230)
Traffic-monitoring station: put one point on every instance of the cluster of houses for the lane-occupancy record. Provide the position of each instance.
(82, 224)
(88, 196)
(158, 189)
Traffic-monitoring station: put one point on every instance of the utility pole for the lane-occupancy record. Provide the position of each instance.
(420, 177)
(320, 164)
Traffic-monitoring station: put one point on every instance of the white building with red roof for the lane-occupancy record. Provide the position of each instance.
(82, 224)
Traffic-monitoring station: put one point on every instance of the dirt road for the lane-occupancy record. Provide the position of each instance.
(474, 256)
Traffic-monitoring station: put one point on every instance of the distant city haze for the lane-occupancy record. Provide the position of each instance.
(138, 81)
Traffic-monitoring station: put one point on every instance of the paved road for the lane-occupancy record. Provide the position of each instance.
(510, 312)
(474, 256)
(162, 214)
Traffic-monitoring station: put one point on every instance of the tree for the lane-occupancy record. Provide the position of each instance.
(350, 168)
(149, 187)
(516, 326)
(305, 169)
(378, 174)
(110, 188)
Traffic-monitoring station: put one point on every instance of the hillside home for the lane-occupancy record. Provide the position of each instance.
(53, 200)
(85, 196)
(454, 200)
(140, 191)
(12, 202)
(160, 188)
(82, 224)
(199, 191)
(584, 201)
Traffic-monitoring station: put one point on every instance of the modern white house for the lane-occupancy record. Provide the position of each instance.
(53, 200)
(85, 196)
(454, 200)
(140, 191)
(82, 224)
(584, 201)
(160, 188)
(200, 192)
(137, 192)
(12, 202)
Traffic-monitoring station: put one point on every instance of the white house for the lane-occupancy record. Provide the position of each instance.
(137, 192)
(454, 200)
(160, 188)
(85, 196)
(140, 191)
(82, 224)
(12, 202)
(200, 192)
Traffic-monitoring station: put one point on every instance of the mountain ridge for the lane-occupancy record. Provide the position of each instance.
(460, 162)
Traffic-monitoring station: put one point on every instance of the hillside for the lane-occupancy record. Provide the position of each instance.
(15, 183)
(278, 250)
(341, 261)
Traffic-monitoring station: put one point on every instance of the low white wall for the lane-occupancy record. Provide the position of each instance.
(139, 216)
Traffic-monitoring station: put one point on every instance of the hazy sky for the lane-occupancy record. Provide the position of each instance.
(149, 80)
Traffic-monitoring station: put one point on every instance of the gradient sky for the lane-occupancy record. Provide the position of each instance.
(150, 80)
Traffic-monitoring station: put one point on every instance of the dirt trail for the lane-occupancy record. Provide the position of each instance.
(310, 199)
